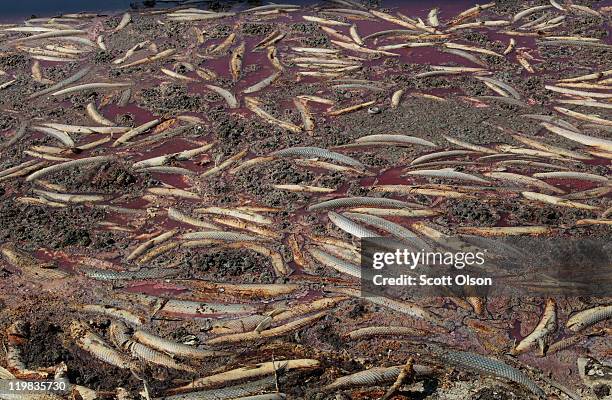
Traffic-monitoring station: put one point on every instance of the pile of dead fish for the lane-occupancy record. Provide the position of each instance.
(446, 169)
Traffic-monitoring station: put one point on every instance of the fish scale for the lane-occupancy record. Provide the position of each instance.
(490, 366)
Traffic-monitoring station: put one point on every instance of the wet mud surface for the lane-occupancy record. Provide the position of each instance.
(194, 229)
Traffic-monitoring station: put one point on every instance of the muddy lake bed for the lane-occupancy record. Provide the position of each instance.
(184, 189)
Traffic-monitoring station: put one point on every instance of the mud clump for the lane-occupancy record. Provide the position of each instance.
(495, 393)
(7, 122)
(256, 29)
(546, 215)
(112, 177)
(46, 226)
(242, 266)
(44, 346)
(13, 61)
(220, 31)
(172, 99)
(473, 212)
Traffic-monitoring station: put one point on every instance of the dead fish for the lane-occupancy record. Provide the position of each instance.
(373, 331)
(97, 347)
(95, 115)
(585, 9)
(226, 44)
(316, 152)
(349, 109)
(589, 77)
(29, 265)
(347, 202)
(447, 173)
(272, 55)
(150, 59)
(395, 138)
(263, 83)
(546, 326)
(253, 105)
(522, 14)
(111, 311)
(580, 93)
(269, 333)
(505, 230)
(469, 146)
(304, 188)
(583, 176)
(376, 376)
(63, 137)
(441, 154)
(586, 318)
(350, 226)
(500, 84)
(68, 81)
(355, 47)
(270, 40)
(588, 221)
(274, 6)
(136, 131)
(307, 118)
(225, 164)
(527, 152)
(386, 212)
(173, 192)
(188, 17)
(37, 74)
(412, 189)
(586, 103)
(399, 231)
(524, 180)
(583, 117)
(336, 263)
(315, 50)
(229, 98)
(125, 20)
(551, 148)
(236, 61)
(100, 43)
(70, 197)
(89, 86)
(579, 137)
(249, 372)
(205, 73)
(174, 348)
(324, 21)
(396, 98)
(176, 75)
(404, 307)
(247, 216)
(176, 215)
(490, 366)
(220, 235)
(557, 201)
(458, 46)
(394, 20)
(68, 164)
(51, 34)
(152, 356)
(17, 168)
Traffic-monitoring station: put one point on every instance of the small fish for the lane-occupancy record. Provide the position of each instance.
(236, 60)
